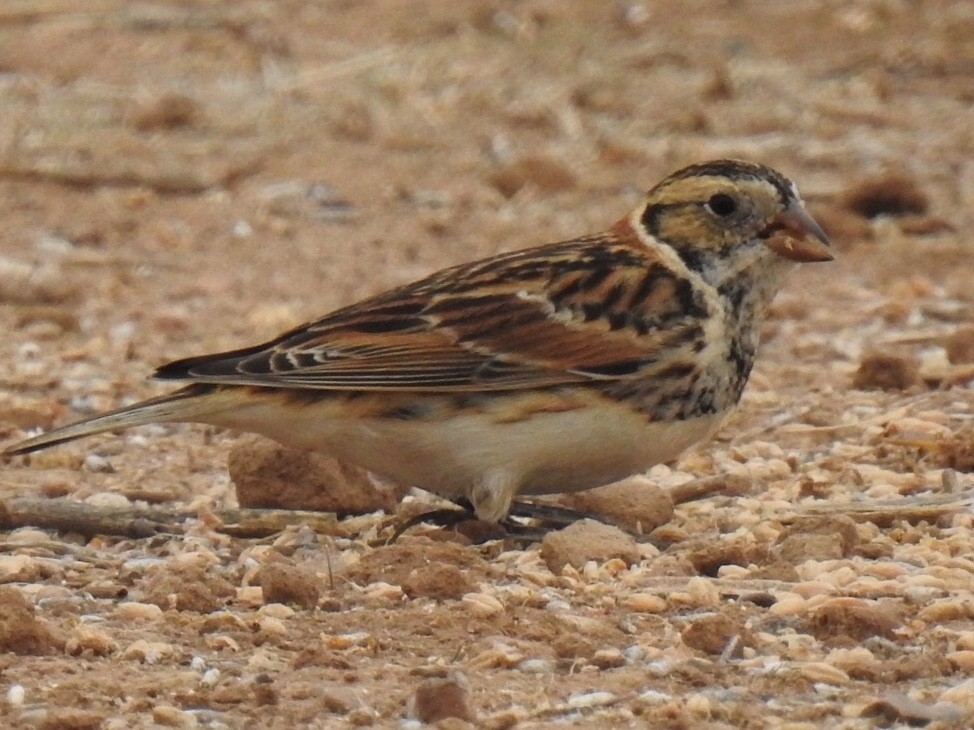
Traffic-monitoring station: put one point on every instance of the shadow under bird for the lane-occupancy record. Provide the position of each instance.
(550, 369)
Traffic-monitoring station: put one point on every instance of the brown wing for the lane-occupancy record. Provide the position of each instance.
(592, 308)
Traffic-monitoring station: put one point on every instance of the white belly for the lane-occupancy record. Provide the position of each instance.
(546, 452)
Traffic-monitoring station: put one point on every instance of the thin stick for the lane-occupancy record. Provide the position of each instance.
(68, 516)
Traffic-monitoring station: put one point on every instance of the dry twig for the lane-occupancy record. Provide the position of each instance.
(68, 516)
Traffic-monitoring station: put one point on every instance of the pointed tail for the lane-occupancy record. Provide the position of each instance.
(186, 405)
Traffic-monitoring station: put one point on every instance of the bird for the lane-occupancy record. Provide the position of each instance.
(545, 370)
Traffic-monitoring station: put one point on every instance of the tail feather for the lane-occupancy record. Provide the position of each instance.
(186, 405)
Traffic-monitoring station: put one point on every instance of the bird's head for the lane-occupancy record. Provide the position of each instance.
(725, 215)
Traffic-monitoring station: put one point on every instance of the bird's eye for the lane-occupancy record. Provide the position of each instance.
(722, 204)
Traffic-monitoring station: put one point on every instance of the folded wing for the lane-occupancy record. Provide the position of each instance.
(589, 309)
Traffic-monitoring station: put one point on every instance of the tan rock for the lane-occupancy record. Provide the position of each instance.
(636, 504)
(266, 474)
(443, 697)
(289, 584)
(587, 540)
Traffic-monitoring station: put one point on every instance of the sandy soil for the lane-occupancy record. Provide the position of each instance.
(181, 177)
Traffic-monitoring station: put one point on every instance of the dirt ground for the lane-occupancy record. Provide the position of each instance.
(184, 176)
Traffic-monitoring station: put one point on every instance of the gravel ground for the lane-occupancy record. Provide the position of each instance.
(185, 177)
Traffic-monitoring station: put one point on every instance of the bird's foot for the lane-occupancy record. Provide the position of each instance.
(526, 522)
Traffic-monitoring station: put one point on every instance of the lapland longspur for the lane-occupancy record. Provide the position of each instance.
(551, 369)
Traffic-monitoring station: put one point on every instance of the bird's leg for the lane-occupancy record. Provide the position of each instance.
(491, 498)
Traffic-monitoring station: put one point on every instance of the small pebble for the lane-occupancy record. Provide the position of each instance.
(346, 641)
(276, 610)
(271, 626)
(17, 565)
(536, 666)
(788, 604)
(644, 603)
(584, 700)
(699, 705)
(634, 653)
(148, 652)
(703, 593)
(883, 371)
(108, 501)
(242, 229)
(961, 694)
(25, 283)
(441, 698)
(382, 591)
(252, 596)
(169, 716)
(823, 672)
(558, 606)
(901, 710)
(96, 463)
(652, 697)
(482, 605)
(135, 611)
(963, 660)
(16, 695)
(948, 609)
(87, 639)
(608, 659)
(857, 658)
